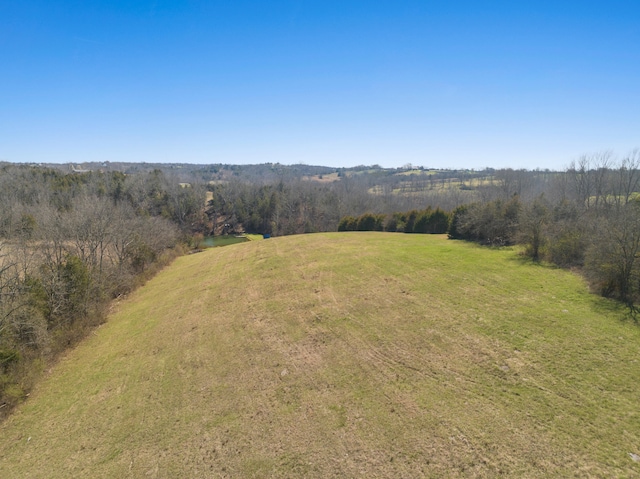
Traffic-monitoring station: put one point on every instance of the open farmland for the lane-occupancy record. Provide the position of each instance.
(421, 182)
(342, 355)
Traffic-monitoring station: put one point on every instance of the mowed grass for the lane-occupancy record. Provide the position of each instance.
(343, 355)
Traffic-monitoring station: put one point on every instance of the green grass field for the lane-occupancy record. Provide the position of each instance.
(343, 355)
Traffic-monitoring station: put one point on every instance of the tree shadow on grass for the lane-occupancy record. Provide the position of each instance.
(520, 258)
(601, 305)
(614, 308)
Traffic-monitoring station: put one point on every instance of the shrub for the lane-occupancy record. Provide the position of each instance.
(455, 232)
(567, 249)
(370, 222)
(347, 223)
(438, 222)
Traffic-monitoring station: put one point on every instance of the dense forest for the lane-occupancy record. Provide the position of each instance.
(70, 243)
(74, 238)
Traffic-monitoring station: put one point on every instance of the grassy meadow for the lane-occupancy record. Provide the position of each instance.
(343, 355)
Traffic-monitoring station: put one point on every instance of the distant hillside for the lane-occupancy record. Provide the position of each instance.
(343, 355)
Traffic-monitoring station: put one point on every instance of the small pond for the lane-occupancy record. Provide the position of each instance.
(213, 241)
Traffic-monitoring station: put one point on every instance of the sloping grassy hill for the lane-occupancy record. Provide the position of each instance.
(343, 355)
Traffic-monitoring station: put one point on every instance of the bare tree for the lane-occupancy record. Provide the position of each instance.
(533, 219)
(612, 259)
(589, 178)
(626, 179)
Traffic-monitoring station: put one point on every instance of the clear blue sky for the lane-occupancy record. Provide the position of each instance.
(458, 84)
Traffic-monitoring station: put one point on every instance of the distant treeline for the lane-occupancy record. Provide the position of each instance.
(292, 205)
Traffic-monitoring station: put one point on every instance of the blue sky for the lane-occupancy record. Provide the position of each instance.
(446, 84)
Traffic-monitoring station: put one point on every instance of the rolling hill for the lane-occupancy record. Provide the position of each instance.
(343, 355)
